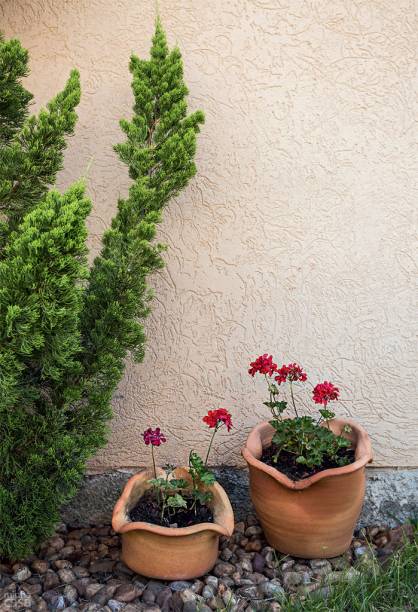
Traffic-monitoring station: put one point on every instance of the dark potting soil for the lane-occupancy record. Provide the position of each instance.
(296, 471)
(148, 510)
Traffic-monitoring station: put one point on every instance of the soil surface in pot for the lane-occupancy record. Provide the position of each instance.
(148, 510)
(296, 471)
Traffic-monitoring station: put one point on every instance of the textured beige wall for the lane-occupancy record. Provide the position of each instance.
(297, 235)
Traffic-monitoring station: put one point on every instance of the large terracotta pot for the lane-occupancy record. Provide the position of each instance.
(314, 517)
(170, 553)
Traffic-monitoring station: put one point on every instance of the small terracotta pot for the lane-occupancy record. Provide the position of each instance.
(170, 553)
(314, 517)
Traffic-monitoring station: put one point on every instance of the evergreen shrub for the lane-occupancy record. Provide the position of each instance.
(65, 330)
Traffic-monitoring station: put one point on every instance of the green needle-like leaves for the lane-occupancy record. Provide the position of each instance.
(65, 332)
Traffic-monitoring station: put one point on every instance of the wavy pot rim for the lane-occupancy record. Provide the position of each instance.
(363, 454)
(122, 525)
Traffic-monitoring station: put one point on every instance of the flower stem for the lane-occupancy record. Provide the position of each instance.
(153, 461)
(293, 398)
(326, 420)
(210, 444)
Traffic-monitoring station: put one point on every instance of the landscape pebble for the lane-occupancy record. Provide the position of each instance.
(81, 569)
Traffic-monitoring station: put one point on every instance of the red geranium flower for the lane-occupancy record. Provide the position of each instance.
(324, 393)
(263, 364)
(292, 372)
(215, 417)
(155, 437)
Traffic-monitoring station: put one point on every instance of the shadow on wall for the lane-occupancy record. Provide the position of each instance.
(391, 496)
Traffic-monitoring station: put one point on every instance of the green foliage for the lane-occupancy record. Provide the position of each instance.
(178, 493)
(14, 98)
(202, 477)
(200, 474)
(304, 436)
(32, 158)
(40, 302)
(277, 408)
(176, 501)
(308, 441)
(159, 151)
(167, 491)
(64, 332)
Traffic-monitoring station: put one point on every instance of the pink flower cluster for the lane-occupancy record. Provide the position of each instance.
(217, 417)
(324, 393)
(292, 373)
(155, 437)
(263, 365)
(214, 418)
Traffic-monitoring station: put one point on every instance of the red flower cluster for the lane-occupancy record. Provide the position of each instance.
(215, 417)
(155, 437)
(292, 372)
(324, 393)
(264, 365)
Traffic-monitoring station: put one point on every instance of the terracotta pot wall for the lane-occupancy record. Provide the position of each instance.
(314, 517)
(170, 553)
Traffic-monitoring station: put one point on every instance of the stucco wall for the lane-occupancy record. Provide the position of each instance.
(296, 236)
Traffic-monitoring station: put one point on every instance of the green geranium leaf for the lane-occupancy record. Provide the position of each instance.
(159, 483)
(326, 414)
(208, 478)
(179, 483)
(176, 501)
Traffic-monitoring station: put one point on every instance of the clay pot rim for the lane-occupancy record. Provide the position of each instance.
(121, 525)
(304, 483)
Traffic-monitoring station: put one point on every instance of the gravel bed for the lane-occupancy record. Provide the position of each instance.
(81, 569)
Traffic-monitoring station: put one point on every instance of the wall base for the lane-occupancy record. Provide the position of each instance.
(391, 496)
